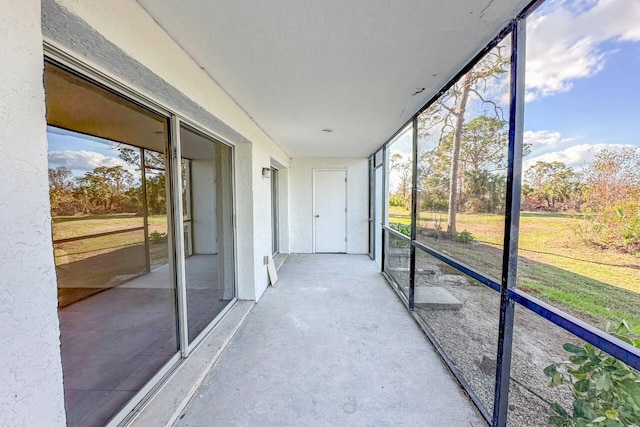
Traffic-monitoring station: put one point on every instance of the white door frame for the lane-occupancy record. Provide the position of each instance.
(313, 204)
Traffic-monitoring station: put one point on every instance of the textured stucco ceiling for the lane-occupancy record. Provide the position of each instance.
(357, 67)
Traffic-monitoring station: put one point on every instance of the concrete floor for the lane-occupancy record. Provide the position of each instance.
(114, 342)
(330, 344)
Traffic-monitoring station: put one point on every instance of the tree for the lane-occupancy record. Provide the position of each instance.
(481, 162)
(484, 191)
(61, 188)
(152, 159)
(447, 116)
(614, 177)
(404, 169)
(483, 145)
(612, 200)
(551, 183)
(156, 193)
(106, 186)
(154, 163)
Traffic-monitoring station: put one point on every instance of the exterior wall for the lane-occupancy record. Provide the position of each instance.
(30, 368)
(262, 158)
(107, 35)
(301, 190)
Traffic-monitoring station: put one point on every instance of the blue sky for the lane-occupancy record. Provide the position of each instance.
(596, 106)
(82, 153)
(583, 84)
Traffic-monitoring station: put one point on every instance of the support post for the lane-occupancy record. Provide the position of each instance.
(385, 205)
(512, 223)
(414, 213)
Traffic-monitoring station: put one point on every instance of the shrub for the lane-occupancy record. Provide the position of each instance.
(465, 236)
(401, 228)
(606, 391)
(432, 204)
(396, 200)
(156, 237)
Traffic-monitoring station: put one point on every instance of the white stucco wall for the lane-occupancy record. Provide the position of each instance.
(262, 158)
(127, 25)
(31, 391)
(301, 191)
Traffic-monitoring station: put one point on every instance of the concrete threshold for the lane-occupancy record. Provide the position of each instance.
(164, 408)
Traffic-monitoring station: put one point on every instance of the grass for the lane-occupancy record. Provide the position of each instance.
(554, 265)
(81, 225)
(76, 226)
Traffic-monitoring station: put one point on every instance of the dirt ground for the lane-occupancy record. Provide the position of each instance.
(470, 336)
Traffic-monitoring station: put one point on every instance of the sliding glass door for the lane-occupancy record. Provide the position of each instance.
(143, 241)
(275, 215)
(209, 264)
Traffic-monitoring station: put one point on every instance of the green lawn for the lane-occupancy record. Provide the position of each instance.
(76, 226)
(554, 265)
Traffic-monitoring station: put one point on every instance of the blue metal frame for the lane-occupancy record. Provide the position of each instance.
(511, 227)
(589, 333)
(469, 271)
(414, 212)
(509, 295)
(372, 233)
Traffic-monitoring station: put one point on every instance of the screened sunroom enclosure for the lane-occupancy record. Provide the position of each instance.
(484, 154)
(459, 246)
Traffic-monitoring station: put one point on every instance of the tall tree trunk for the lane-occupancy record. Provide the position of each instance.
(455, 157)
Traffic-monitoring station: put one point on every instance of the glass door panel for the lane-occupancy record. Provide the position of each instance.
(116, 294)
(209, 263)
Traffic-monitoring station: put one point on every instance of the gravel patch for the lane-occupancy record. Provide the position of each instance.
(470, 338)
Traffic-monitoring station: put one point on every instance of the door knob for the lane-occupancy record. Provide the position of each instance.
(317, 216)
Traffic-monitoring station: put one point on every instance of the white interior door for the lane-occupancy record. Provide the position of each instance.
(330, 210)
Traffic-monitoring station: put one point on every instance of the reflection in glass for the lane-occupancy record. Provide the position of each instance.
(208, 209)
(109, 209)
(463, 316)
(462, 159)
(580, 220)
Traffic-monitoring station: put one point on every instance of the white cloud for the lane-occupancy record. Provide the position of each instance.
(541, 141)
(564, 43)
(538, 138)
(84, 160)
(576, 156)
